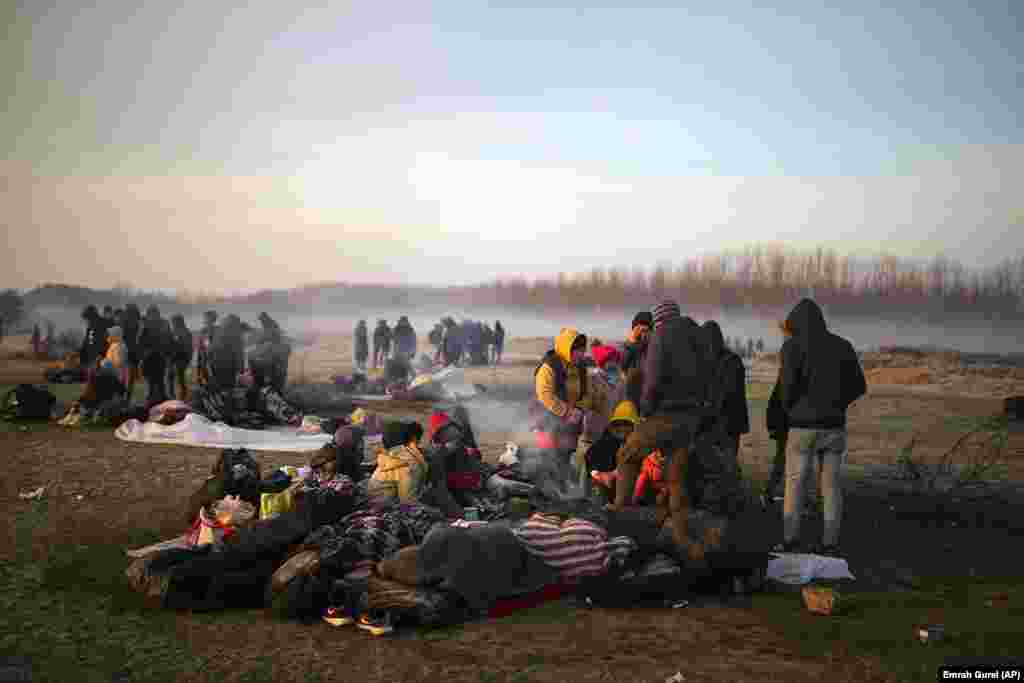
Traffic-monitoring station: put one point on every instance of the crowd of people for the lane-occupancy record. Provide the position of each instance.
(122, 346)
(658, 419)
(471, 342)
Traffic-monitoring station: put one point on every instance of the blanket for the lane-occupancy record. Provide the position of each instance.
(196, 430)
(797, 569)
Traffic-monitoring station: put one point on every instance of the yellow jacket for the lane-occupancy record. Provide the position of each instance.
(115, 354)
(545, 383)
(401, 472)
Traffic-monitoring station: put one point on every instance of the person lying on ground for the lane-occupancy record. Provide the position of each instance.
(819, 378)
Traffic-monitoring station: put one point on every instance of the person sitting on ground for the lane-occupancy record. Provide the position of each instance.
(361, 346)
(402, 470)
(600, 458)
(651, 487)
(181, 357)
(673, 401)
(819, 378)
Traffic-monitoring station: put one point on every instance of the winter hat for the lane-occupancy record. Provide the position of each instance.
(666, 310)
(438, 420)
(606, 354)
(642, 318)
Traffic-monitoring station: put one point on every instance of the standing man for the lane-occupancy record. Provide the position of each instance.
(635, 347)
(673, 404)
(362, 345)
(499, 341)
(381, 343)
(819, 379)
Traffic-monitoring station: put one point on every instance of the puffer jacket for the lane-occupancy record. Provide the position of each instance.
(401, 473)
(560, 384)
(820, 375)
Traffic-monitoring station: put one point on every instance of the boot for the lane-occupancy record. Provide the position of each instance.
(624, 485)
(679, 508)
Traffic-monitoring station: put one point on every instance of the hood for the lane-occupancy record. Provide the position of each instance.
(715, 339)
(625, 412)
(564, 341)
(806, 319)
(397, 457)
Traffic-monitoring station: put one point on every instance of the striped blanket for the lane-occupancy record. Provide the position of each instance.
(575, 547)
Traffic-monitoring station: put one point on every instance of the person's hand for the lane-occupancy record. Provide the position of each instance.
(574, 416)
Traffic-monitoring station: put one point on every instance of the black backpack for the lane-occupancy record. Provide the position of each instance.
(28, 402)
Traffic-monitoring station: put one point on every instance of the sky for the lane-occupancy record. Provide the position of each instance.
(223, 147)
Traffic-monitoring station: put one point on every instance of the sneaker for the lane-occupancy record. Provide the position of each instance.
(376, 626)
(787, 547)
(338, 616)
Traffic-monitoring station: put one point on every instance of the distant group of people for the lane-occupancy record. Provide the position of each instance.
(121, 346)
(659, 417)
(471, 342)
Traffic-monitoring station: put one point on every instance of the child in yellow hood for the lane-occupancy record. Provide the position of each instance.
(562, 389)
(401, 469)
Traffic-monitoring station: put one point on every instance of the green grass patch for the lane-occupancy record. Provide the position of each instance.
(969, 423)
(882, 624)
(896, 423)
(74, 617)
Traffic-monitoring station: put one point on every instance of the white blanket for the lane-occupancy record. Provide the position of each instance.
(196, 430)
(797, 569)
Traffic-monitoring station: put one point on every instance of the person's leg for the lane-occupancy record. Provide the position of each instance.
(778, 475)
(679, 505)
(171, 377)
(799, 450)
(181, 369)
(832, 446)
(582, 471)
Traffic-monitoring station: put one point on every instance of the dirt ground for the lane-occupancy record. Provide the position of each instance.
(99, 490)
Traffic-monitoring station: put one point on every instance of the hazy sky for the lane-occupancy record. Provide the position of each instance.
(275, 144)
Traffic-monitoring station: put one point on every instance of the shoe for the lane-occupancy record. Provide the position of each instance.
(375, 626)
(338, 616)
(787, 547)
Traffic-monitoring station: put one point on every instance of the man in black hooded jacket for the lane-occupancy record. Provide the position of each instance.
(820, 376)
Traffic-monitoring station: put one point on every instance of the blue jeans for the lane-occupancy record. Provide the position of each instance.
(804, 446)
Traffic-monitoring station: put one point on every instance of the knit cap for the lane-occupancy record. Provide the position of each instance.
(642, 318)
(666, 310)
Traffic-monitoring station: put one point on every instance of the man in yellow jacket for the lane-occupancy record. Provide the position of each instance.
(563, 393)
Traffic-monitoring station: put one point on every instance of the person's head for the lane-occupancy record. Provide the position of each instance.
(641, 326)
(90, 313)
(324, 464)
(665, 311)
(131, 312)
(178, 322)
(210, 317)
(624, 419)
(108, 311)
(152, 313)
(413, 433)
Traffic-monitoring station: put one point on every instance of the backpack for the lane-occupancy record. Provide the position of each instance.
(28, 402)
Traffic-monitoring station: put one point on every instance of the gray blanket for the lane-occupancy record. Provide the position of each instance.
(481, 564)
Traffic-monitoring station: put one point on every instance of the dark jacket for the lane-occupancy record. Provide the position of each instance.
(182, 346)
(362, 342)
(94, 345)
(131, 324)
(730, 384)
(156, 339)
(499, 335)
(382, 337)
(633, 355)
(820, 375)
(675, 376)
(405, 338)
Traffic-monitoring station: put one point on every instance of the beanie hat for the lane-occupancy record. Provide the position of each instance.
(642, 318)
(438, 420)
(666, 310)
(606, 354)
